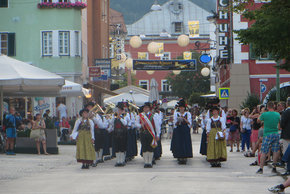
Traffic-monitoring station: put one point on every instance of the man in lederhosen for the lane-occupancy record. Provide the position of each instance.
(120, 135)
(148, 124)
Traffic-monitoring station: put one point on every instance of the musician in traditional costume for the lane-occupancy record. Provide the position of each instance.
(131, 140)
(159, 114)
(100, 125)
(120, 135)
(181, 145)
(83, 133)
(148, 124)
(216, 146)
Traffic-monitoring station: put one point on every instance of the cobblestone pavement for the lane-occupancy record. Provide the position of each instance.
(52, 174)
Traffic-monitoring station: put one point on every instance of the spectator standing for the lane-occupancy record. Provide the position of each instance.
(285, 126)
(246, 129)
(61, 110)
(234, 134)
(271, 121)
(255, 127)
(38, 127)
(11, 124)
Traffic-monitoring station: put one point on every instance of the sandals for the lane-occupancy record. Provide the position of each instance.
(254, 163)
(249, 154)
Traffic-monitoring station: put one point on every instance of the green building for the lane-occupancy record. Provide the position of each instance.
(44, 33)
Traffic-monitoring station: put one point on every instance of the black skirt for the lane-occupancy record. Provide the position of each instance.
(203, 143)
(181, 145)
(99, 139)
(158, 150)
(146, 141)
(131, 143)
(120, 140)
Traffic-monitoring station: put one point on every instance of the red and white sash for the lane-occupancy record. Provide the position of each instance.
(148, 126)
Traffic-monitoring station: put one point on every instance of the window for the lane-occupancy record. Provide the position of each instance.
(178, 27)
(63, 1)
(46, 1)
(143, 55)
(46, 43)
(165, 87)
(166, 56)
(77, 39)
(4, 3)
(63, 43)
(7, 44)
(144, 84)
(254, 56)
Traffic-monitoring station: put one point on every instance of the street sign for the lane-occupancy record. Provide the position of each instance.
(95, 72)
(224, 93)
(263, 80)
(263, 88)
(205, 58)
(105, 66)
(155, 65)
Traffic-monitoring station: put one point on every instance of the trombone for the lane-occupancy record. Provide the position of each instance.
(97, 108)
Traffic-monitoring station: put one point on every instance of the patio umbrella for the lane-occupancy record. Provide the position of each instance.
(154, 94)
(18, 78)
(139, 99)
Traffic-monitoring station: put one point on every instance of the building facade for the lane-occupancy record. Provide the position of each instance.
(46, 34)
(164, 27)
(238, 66)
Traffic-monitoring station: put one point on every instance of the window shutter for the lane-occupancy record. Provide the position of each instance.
(3, 3)
(11, 44)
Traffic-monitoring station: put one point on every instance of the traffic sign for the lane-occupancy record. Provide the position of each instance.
(205, 58)
(224, 93)
(263, 88)
(263, 80)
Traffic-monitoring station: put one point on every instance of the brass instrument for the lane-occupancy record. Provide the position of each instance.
(133, 107)
(97, 108)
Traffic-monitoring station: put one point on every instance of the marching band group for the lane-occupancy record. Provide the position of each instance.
(100, 133)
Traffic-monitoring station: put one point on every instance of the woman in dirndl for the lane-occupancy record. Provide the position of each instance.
(181, 145)
(216, 147)
(203, 142)
(83, 132)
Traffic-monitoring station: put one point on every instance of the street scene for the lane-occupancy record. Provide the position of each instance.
(144, 96)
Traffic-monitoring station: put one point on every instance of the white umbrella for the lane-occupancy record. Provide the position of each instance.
(73, 89)
(172, 103)
(154, 94)
(139, 99)
(18, 78)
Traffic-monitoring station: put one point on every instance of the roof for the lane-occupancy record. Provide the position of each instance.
(117, 18)
(127, 89)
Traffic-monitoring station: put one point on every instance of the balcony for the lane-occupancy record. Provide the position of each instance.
(61, 5)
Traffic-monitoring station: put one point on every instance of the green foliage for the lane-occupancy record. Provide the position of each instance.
(196, 99)
(189, 82)
(270, 32)
(251, 102)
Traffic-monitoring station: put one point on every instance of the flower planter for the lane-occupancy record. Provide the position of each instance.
(77, 5)
(27, 145)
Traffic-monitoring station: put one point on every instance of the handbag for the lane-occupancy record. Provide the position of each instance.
(219, 135)
(35, 134)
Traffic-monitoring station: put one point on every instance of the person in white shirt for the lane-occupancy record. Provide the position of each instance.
(131, 140)
(61, 110)
(203, 144)
(83, 133)
(120, 135)
(246, 129)
(216, 131)
(181, 145)
(148, 123)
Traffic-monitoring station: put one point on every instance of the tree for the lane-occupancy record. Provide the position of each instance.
(284, 92)
(196, 99)
(124, 82)
(270, 31)
(188, 82)
(251, 101)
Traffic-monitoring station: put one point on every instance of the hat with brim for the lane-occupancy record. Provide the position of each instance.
(147, 104)
(182, 103)
(215, 108)
(120, 105)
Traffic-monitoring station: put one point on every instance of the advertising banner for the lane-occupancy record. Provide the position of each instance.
(193, 27)
(189, 65)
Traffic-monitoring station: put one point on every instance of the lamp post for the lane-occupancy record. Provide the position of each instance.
(278, 81)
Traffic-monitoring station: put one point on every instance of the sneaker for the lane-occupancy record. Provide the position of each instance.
(254, 163)
(231, 150)
(274, 170)
(287, 173)
(276, 189)
(260, 171)
(279, 164)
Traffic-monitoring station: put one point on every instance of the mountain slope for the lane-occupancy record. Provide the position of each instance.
(135, 9)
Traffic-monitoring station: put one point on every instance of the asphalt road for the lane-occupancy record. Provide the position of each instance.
(61, 174)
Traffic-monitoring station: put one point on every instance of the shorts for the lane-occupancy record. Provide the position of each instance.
(270, 140)
(234, 136)
(254, 136)
(11, 133)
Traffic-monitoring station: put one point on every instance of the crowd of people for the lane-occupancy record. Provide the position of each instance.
(263, 133)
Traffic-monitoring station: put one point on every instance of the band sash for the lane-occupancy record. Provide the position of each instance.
(148, 126)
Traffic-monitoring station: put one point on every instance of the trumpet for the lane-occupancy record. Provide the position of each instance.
(95, 110)
(133, 107)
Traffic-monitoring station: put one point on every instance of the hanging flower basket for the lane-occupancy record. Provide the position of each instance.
(77, 5)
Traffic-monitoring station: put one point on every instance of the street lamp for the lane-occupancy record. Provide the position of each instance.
(183, 40)
(205, 71)
(156, 6)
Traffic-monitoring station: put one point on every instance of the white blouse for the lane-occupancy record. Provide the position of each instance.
(208, 124)
(246, 123)
(178, 114)
(77, 124)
